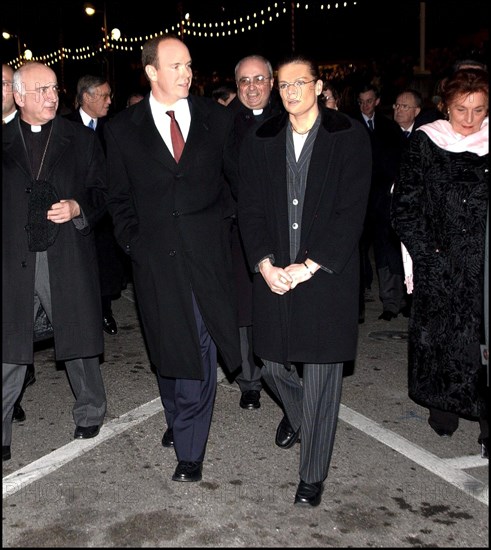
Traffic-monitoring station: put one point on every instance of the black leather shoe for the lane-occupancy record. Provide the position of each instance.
(19, 414)
(406, 310)
(168, 438)
(309, 494)
(109, 325)
(286, 436)
(188, 471)
(387, 315)
(442, 432)
(6, 452)
(250, 399)
(86, 432)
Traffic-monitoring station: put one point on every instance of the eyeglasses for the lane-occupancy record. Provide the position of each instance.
(327, 98)
(368, 101)
(97, 95)
(298, 84)
(402, 107)
(259, 80)
(45, 90)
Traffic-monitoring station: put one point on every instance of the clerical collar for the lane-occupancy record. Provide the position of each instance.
(36, 128)
(257, 112)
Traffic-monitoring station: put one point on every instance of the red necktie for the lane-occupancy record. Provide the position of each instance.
(176, 136)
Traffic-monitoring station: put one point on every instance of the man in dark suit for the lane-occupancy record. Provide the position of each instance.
(253, 104)
(53, 192)
(387, 142)
(304, 184)
(166, 200)
(94, 99)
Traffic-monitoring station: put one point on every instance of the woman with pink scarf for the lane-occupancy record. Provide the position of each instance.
(439, 209)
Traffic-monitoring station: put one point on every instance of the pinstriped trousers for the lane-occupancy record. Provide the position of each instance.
(311, 404)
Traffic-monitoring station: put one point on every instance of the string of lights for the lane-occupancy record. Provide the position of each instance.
(278, 11)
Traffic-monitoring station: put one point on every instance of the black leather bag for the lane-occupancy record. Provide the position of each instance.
(43, 330)
(41, 232)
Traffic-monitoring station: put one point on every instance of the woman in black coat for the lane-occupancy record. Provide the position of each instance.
(304, 184)
(439, 211)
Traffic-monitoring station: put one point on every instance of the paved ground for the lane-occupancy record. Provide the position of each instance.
(392, 481)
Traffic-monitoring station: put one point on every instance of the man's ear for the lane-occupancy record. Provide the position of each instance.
(151, 72)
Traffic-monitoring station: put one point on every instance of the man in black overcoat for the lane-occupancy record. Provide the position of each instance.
(53, 192)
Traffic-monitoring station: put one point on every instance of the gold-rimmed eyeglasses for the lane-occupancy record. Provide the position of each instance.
(298, 84)
(259, 80)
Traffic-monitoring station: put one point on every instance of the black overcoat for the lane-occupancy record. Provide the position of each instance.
(317, 322)
(439, 212)
(170, 218)
(75, 167)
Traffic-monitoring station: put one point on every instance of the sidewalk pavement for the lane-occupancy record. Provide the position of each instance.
(392, 481)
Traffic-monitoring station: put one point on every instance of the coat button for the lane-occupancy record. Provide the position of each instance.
(172, 252)
(28, 189)
(176, 213)
(24, 264)
(26, 228)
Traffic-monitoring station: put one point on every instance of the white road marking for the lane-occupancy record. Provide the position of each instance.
(49, 463)
(440, 467)
(447, 469)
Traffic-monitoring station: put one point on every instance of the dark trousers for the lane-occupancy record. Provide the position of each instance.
(84, 373)
(311, 404)
(188, 404)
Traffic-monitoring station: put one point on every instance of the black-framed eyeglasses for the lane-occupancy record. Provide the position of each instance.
(298, 84)
(402, 107)
(258, 80)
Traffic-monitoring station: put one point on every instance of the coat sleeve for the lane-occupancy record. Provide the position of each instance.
(92, 197)
(252, 200)
(332, 240)
(408, 200)
(120, 200)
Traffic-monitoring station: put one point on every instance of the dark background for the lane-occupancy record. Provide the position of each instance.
(385, 35)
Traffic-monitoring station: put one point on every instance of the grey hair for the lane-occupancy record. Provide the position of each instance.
(87, 84)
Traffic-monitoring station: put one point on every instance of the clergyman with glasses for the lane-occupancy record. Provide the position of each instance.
(255, 102)
(304, 184)
(93, 100)
(53, 192)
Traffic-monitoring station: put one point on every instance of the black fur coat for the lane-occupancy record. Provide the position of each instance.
(439, 212)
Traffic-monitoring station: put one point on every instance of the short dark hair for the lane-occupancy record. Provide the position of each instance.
(150, 49)
(301, 59)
